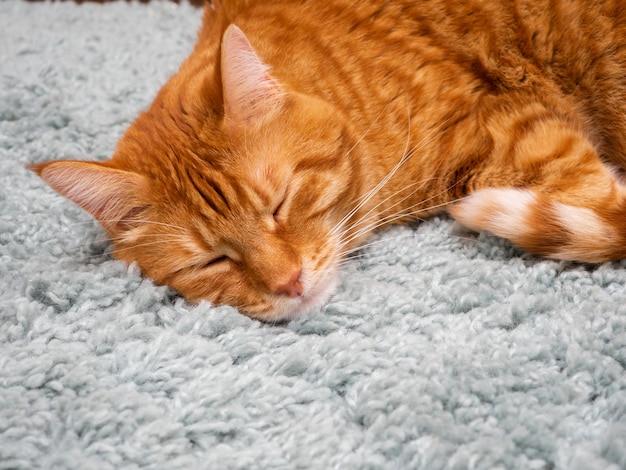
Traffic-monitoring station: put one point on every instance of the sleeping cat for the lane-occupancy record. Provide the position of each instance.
(297, 127)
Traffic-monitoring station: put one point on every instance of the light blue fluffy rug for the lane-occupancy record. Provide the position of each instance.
(438, 352)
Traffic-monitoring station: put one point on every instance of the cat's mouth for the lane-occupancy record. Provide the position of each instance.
(319, 294)
(317, 290)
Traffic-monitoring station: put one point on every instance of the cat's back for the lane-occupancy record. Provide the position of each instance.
(538, 30)
(501, 43)
(362, 55)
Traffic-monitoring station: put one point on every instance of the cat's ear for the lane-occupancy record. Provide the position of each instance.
(250, 93)
(110, 195)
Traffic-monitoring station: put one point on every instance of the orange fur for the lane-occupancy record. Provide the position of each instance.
(295, 129)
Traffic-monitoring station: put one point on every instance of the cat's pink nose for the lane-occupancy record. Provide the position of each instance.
(292, 287)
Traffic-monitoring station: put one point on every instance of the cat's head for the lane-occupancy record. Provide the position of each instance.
(230, 188)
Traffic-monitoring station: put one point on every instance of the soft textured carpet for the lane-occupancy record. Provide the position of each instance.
(437, 351)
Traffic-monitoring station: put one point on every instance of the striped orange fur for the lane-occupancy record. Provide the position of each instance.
(296, 128)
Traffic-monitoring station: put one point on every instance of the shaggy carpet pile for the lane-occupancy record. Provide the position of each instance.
(437, 352)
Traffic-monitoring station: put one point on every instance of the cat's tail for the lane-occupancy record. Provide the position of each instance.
(585, 228)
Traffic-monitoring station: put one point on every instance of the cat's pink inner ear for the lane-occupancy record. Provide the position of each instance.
(106, 193)
(250, 93)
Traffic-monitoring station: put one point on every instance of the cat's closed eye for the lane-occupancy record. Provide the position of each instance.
(217, 261)
(279, 210)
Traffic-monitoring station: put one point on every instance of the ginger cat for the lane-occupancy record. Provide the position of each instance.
(296, 128)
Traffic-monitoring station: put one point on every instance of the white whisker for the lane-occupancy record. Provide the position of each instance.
(372, 192)
(401, 214)
(368, 217)
(156, 242)
(371, 215)
(150, 222)
(368, 129)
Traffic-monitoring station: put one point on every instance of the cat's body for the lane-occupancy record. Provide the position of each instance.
(295, 128)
